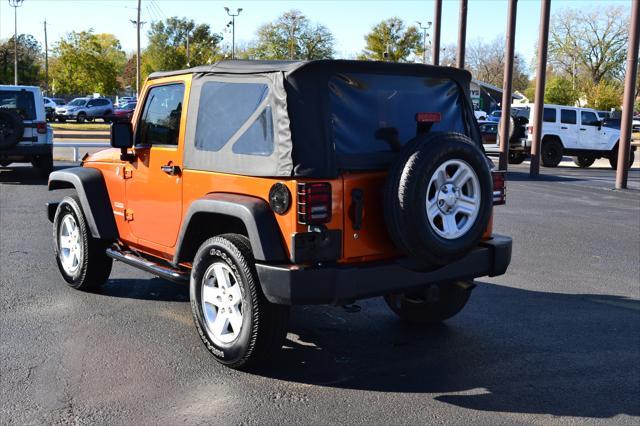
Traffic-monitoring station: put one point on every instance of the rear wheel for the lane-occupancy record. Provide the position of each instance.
(551, 153)
(81, 259)
(234, 319)
(431, 305)
(584, 161)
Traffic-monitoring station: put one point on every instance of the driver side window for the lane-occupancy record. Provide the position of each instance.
(160, 120)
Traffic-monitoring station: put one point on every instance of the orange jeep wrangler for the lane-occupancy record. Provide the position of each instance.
(268, 184)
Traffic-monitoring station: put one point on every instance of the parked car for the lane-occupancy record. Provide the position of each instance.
(480, 115)
(59, 101)
(494, 115)
(24, 133)
(518, 135)
(578, 132)
(49, 108)
(85, 109)
(264, 193)
(122, 113)
(125, 100)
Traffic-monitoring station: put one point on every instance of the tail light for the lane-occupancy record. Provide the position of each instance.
(314, 203)
(41, 127)
(499, 187)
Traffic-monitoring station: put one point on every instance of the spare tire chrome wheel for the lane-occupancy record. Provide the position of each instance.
(453, 199)
(438, 198)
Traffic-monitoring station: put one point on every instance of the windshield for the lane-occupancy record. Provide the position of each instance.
(520, 112)
(77, 102)
(20, 101)
(375, 113)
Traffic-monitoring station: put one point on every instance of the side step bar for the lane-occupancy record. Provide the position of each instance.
(162, 271)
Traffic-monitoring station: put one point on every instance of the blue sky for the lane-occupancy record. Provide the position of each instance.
(348, 20)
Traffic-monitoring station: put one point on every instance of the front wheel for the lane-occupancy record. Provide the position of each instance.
(431, 305)
(81, 117)
(613, 159)
(234, 319)
(81, 259)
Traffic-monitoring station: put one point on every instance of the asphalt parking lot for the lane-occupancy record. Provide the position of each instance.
(555, 340)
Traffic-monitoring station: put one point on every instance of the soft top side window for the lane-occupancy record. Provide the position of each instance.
(160, 120)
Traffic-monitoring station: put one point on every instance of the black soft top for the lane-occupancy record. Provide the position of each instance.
(309, 135)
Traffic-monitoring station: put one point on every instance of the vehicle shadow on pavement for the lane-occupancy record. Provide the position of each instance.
(145, 289)
(511, 350)
(524, 176)
(23, 176)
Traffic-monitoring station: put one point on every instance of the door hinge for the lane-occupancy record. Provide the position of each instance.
(127, 173)
(128, 215)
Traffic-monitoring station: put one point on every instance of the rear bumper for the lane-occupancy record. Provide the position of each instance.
(18, 152)
(299, 285)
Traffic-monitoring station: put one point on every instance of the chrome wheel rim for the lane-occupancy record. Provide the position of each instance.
(71, 250)
(453, 199)
(221, 299)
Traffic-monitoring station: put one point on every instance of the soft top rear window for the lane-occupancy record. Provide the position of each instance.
(365, 107)
(20, 101)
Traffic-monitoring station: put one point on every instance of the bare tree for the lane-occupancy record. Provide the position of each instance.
(590, 44)
(486, 63)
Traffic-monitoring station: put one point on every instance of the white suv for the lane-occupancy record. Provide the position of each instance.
(573, 131)
(24, 133)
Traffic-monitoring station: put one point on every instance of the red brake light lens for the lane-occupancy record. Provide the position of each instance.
(428, 117)
(41, 127)
(314, 203)
(499, 187)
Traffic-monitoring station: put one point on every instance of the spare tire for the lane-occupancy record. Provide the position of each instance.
(11, 128)
(438, 198)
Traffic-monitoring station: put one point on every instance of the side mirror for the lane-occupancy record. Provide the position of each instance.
(600, 122)
(122, 137)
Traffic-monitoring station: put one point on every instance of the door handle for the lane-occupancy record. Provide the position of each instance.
(564, 127)
(170, 170)
(583, 129)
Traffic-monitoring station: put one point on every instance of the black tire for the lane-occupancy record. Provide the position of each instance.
(431, 305)
(516, 157)
(62, 119)
(584, 161)
(81, 117)
(11, 128)
(551, 153)
(406, 192)
(43, 164)
(90, 119)
(264, 324)
(613, 158)
(94, 266)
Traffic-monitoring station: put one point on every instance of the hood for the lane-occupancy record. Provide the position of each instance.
(109, 155)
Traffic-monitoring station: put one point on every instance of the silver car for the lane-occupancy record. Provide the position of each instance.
(85, 109)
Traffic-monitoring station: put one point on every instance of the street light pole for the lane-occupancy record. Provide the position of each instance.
(233, 30)
(424, 40)
(15, 4)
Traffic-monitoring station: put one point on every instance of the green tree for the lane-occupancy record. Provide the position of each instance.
(293, 36)
(167, 49)
(559, 90)
(604, 95)
(390, 40)
(29, 60)
(85, 62)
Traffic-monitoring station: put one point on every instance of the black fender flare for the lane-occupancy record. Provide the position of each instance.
(256, 215)
(94, 198)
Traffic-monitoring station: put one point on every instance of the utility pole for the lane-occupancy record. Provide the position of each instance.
(46, 59)
(15, 4)
(507, 86)
(138, 24)
(233, 30)
(424, 40)
(138, 51)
